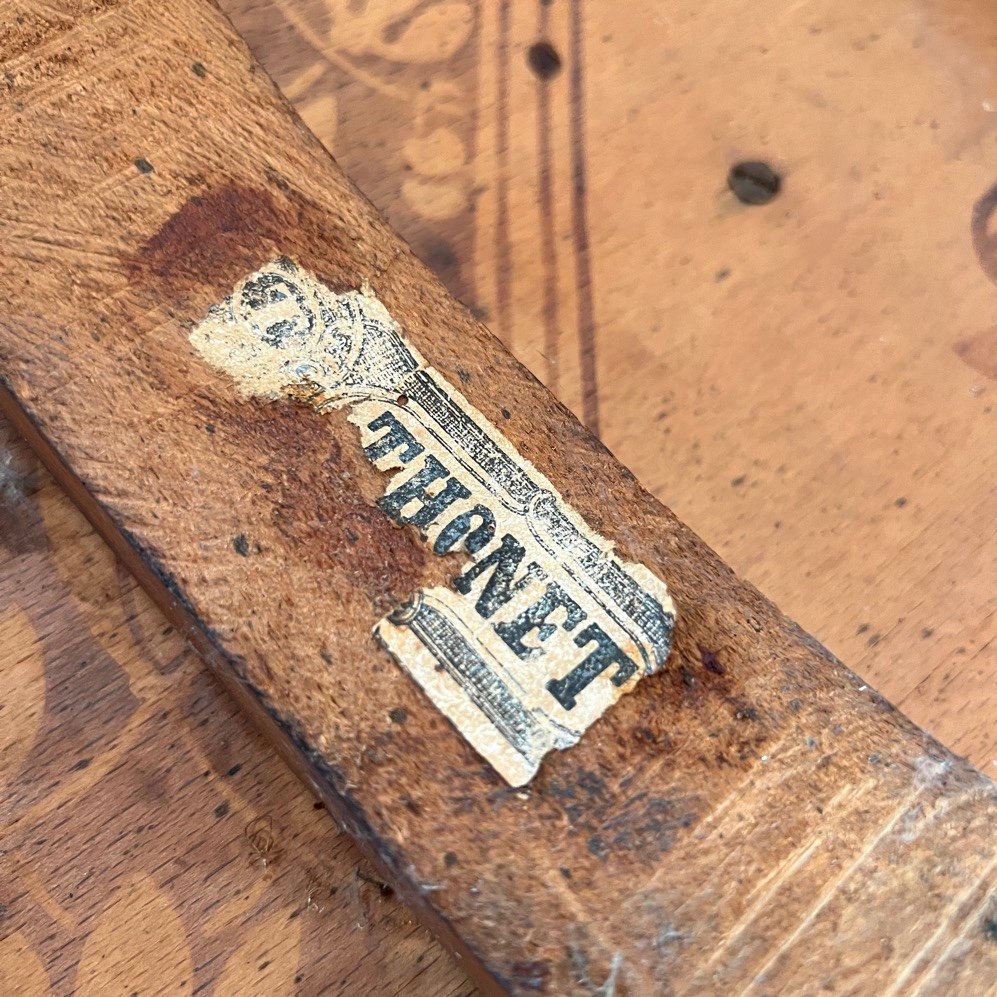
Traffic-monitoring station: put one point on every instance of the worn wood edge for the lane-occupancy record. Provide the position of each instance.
(307, 764)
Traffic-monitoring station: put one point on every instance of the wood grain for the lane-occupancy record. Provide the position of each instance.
(108, 714)
(943, 505)
(808, 384)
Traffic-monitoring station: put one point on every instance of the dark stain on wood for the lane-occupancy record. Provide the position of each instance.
(984, 232)
(544, 60)
(314, 485)
(214, 237)
(643, 823)
(979, 352)
(710, 661)
(532, 975)
(217, 237)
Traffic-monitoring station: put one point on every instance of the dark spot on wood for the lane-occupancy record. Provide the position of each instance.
(440, 256)
(222, 809)
(990, 928)
(746, 713)
(465, 376)
(900, 502)
(722, 274)
(738, 481)
(382, 887)
(450, 859)
(241, 545)
(318, 805)
(646, 824)
(506, 414)
(209, 427)
(529, 975)
(597, 846)
(143, 166)
(199, 70)
(402, 399)
(211, 232)
(873, 640)
(710, 661)
(81, 765)
(754, 182)
(927, 632)
(275, 177)
(985, 233)
(796, 705)
(593, 785)
(235, 769)
(565, 872)
(862, 628)
(398, 715)
(544, 60)
(218, 237)
(979, 352)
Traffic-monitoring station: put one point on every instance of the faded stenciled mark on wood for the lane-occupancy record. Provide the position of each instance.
(979, 352)
(378, 59)
(545, 628)
(984, 230)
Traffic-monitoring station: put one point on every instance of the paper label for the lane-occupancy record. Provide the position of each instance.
(544, 628)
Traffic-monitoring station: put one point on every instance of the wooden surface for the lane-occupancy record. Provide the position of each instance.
(809, 385)
(793, 365)
(129, 780)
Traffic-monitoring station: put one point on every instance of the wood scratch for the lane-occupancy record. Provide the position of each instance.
(769, 886)
(924, 961)
(830, 891)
